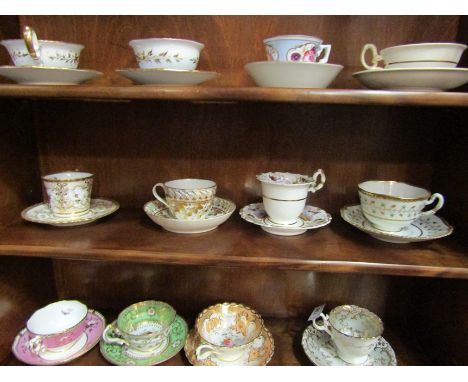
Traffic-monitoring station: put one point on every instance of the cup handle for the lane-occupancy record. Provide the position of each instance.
(204, 351)
(35, 345)
(375, 57)
(327, 50)
(32, 43)
(155, 193)
(437, 207)
(314, 186)
(111, 335)
(324, 327)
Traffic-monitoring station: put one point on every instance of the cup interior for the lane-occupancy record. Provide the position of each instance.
(284, 178)
(357, 322)
(57, 317)
(393, 189)
(67, 176)
(229, 325)
(190, 184)
(146, 318)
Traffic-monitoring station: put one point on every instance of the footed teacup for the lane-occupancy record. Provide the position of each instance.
(227, 331)
(143, 326)
(285, 194)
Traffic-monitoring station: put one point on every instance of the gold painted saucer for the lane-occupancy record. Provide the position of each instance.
(259, 355)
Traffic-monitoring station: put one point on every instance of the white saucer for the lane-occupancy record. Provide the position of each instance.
(40, 75)
(221, 211)
(41, 213)
(167, 76)
(284, 74)
(311, 218)
(425, 228)
(413, 79)
(321, 350)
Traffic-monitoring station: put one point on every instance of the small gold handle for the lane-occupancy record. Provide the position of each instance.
(32, 43)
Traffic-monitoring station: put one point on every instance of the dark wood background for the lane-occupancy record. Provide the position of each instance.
(132, 145)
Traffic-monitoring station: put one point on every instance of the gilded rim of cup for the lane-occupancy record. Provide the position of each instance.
(136, 306)
(234, 304)
(285, 184)
(80, 46)
(63, 331)
(293, 37)
(66, 180)
(390, 197)
(425, 44)
(378, 319)
(191, 188)
(163, 39)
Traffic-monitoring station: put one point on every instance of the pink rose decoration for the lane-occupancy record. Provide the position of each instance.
(309, 56)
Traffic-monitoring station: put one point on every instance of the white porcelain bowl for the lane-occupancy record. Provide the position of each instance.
(53, 54)
(167, 53)
(293, 74)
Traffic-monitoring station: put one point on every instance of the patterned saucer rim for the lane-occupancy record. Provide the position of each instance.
(228, 211)
(374, 231)
(86, 348)
(279, 227)
(193, 362)
(308, 332)
(150, 363)
(71, 220)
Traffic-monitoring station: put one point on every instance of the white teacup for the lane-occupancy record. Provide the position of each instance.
(296, 48)
(354, 331)
(227, 331)
(285, 194)
(391, 206)
(187, 199)
(426, 55)
(167, 53)
(69, 192)
(33, 52)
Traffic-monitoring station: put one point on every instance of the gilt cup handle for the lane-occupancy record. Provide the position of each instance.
(376, 57)
(315, 186)
(324, 327)
(32, 43)
(111, 335)
(35, 345)
(204, 351)
(437, 207)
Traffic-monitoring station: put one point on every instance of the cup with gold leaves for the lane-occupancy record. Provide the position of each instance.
(227, 332)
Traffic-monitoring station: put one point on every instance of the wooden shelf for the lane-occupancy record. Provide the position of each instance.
(235, 94)
(287, 334)
(130, 236)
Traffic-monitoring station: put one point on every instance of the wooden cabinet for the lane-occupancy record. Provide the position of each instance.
(131, 137)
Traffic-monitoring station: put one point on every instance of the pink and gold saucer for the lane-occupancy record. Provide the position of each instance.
(95, 324)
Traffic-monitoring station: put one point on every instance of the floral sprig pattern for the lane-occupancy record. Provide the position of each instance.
(162, 57)
(69, 58)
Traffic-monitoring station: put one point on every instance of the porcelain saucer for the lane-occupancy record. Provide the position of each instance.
(41, 213)
(413, 79)
(322, 351)
(121, 355)
(95, 324)
(41, 75)
(311, 218)
(221, 211)
(156, 76)
(260, 354)
(425, 228)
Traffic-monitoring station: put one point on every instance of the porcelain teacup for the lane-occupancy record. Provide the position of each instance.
(143, 326)
(30, 51)
(227, 331)
(354, 331)
(285, 194)
(57, 326)
(187, 199)
(69, 192)
(425, 55)
(167, 53)
(391, 206)
(296, 48)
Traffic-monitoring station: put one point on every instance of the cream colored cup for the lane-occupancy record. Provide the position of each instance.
(285, 194)
(187, 199)
(30, 51)
(68, 193)
(354, 331)
(391, 206)
(227, 331)
(426, 55)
